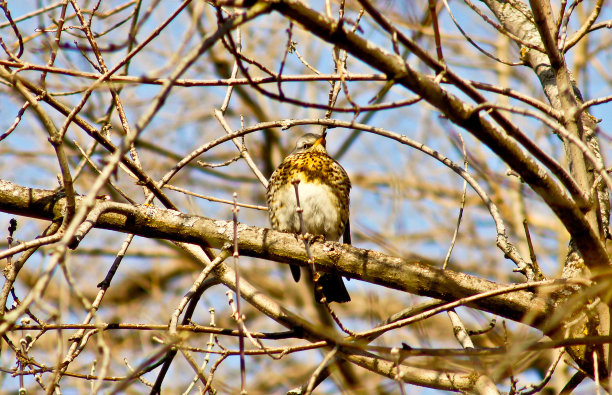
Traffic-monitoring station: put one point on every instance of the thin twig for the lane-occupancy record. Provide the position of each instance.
(319, 369)
(434, 22)
(209, 349)
(238, 316)
(16, 122)
(398, 376)
(243, 151)
(461, 207)
(337, 320)
(532, 254)
(213, 199)
(288, 49)
(460, 302)
(537, 388)
(299, 210)
(173, 326)
(478, 47)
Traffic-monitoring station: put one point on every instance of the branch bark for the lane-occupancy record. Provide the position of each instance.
(371, 266)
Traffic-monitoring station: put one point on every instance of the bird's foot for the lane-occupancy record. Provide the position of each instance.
(310, 238)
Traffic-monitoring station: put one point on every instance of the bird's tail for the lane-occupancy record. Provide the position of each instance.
(331, 286)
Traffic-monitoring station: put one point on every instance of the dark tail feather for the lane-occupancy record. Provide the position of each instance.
(332, 287)
(346, 237)
(295, 272)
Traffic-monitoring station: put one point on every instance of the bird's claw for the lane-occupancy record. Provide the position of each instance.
(310, 238)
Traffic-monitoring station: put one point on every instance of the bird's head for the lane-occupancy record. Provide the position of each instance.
(310, 142)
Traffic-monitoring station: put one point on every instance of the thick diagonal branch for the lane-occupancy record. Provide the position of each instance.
(366, 265)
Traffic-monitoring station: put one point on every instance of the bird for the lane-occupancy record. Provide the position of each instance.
(323, 192)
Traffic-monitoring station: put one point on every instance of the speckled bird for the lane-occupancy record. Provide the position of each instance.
(323, 190)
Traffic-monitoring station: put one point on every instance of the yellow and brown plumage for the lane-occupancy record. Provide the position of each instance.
(323, 189)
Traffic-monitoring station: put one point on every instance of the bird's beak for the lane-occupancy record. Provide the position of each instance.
(320, 140)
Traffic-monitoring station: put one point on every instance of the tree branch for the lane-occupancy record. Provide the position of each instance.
(366, 265)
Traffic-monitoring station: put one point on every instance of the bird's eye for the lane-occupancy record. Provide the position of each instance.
(307, 145)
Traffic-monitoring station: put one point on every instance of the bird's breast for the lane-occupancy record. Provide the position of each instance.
(322, 209)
